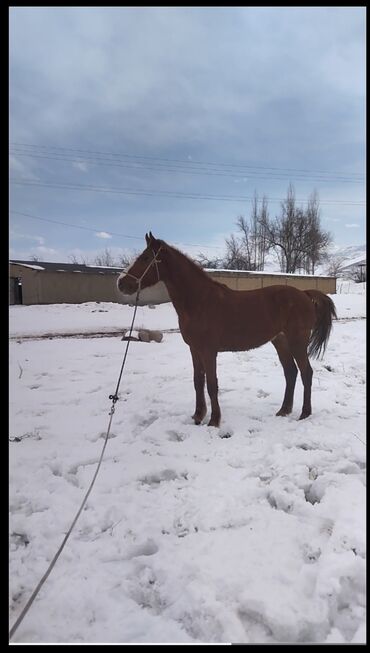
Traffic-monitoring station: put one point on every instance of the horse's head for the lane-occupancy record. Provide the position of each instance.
(145, 271)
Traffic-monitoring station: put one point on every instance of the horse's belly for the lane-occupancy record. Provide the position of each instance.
(241, 346)
(228, 340)
(244, 341)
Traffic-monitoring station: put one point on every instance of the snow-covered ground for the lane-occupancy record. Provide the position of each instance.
(254, 532)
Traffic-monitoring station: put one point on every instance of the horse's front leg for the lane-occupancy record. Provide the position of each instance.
(209, 362)
(199, 382)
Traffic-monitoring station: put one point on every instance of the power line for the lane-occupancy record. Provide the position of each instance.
(99, 229)
(174, 162)
(75, 226)
(160, 167)
(162, 193)
(237, 165)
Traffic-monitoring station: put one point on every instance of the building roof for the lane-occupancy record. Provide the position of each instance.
(101, 269)
(67, 267)
(355, 263)
(262, 273)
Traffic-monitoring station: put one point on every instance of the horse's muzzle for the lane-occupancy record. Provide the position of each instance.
(126, 284)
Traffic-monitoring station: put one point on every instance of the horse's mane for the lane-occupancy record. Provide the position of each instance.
(196, 269)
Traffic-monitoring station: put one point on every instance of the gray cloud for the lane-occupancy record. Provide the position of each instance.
(176, 74)
(281, 87)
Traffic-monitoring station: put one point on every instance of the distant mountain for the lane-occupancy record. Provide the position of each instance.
(349, 252)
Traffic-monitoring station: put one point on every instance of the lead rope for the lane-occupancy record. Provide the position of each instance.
(114, 399)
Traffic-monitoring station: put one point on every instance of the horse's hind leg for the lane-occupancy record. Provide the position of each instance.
(210, 362)
(290, 372)
(298, 347)
(199, 382)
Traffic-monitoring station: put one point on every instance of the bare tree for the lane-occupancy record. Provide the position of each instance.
(235, 258)
(263, 245)
(283, 233)
(105, 259)
(335, 265)
(81, 260)
(296, 235)
(124, 260)
(316, 239)
(248, 251)
(210, 263)
(246, 228)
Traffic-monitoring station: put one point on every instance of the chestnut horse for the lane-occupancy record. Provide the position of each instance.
(214, 318)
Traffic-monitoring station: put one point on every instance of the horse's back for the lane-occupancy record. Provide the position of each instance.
(272, 297)
(247, 319)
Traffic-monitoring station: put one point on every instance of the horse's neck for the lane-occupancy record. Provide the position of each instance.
(186, 284)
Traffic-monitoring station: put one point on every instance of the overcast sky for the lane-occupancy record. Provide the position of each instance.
(125, 120)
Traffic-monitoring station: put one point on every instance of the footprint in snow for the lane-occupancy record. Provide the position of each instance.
(225, 432)
(158, 477)
(310, 554)
(94, 437)
(175, 436)
(148, 421)
(148, 548)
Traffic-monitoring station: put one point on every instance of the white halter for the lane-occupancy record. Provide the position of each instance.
(155, 261)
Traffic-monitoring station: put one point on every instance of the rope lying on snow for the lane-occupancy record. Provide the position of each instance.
(114, 399)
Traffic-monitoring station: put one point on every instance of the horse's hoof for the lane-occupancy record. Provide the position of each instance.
(214, 422)
(283, 412)
(199, 417)
(304, 415)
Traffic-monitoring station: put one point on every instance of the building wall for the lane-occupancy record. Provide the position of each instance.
(30, 293)
(246, 281)
(75, 287)
(44, 287)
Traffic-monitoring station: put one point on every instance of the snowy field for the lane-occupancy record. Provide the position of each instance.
(254, 532)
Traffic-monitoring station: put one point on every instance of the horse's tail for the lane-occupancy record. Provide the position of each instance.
(325, 312)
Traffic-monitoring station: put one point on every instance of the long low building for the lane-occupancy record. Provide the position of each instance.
(70, 283)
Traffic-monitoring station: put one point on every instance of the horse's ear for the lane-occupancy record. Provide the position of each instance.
(150, 238)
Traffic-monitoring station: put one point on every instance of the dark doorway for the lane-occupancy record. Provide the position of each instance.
(15, 290)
